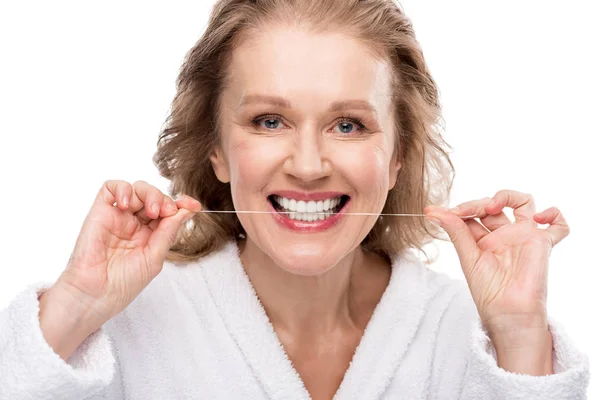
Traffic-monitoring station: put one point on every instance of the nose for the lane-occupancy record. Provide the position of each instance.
(307, 160)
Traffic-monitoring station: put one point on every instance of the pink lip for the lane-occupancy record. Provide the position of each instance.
(314, 196)
(307, 227)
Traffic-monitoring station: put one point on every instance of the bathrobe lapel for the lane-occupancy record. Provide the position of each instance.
(249, 325)
(384, 343)
(390, 331)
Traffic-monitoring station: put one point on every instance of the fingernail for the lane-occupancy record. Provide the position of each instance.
(435, 221)
(455, 210)
(171, 207)
(125, 201)
(155, 209)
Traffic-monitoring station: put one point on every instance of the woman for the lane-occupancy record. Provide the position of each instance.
(308, 111)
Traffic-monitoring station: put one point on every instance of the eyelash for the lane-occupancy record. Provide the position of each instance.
(345, 118)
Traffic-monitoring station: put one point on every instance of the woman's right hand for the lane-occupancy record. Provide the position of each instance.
(121, 247)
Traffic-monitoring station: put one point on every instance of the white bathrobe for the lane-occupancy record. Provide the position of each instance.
(198, 331)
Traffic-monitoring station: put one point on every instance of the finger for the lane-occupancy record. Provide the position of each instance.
(522, 204)
(164, 236)
(490, 218)
(431, 207)
(493, 222)
(185, 201)
(135, 203)
(495, 217)
(475, 208)
(460, 235)
(169, 207)
(152, 200)
(111, 192)
(124, 196)
(477, 230)
(558, 229)
(122, 192)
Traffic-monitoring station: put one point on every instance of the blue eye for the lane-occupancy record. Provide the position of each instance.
(272, 122)
(345, 126)
(347, 123)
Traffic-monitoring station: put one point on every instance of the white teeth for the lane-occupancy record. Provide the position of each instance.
(308, 206)
(310, 217)
(308, 211)
(301, 206)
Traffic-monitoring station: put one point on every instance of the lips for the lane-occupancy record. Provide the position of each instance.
(308, 212)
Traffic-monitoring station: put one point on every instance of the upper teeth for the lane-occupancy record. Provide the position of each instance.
(302, 206)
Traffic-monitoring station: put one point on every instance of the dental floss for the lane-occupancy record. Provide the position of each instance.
(347, 213)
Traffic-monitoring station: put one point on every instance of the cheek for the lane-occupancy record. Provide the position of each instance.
(252, 161)
(367, 166)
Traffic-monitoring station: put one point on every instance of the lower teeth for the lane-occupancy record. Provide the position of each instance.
(310, 217)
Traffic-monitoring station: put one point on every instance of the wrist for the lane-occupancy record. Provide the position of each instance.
(523, 345)
(64, 320)
(533, 358)
(517, 332)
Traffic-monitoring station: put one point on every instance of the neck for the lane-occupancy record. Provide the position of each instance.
(342, 297)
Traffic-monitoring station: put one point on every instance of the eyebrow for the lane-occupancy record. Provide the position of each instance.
(283, 103)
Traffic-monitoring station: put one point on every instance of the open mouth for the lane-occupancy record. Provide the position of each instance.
(308, 211)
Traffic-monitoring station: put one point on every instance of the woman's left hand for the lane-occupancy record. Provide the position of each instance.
(506, 267)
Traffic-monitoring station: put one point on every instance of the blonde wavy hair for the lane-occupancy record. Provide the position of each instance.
(192, 128)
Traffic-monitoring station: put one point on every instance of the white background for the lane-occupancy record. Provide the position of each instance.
(84, 89)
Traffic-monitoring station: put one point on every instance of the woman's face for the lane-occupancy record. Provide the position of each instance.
(307, 128)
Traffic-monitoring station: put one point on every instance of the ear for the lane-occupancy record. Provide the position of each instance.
(395, 165)
(219, 164)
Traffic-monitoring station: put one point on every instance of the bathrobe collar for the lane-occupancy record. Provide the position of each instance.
(381, 349)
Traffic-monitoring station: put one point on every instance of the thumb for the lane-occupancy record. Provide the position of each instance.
(165, 233)
(460, 235)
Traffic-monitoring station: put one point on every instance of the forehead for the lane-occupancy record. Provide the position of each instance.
(308, 68)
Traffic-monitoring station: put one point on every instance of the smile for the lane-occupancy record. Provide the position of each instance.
(313, 212)
(308, 211)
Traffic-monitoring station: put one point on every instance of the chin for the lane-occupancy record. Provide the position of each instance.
(306, 259)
